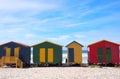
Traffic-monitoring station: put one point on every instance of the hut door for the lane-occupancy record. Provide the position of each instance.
(42, 54)
(7, 54)
(108, 55)
(16, 52)
(71, 54)
(100, 55)
(50, 54)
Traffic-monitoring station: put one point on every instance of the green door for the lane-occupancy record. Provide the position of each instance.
(108, 55)
(100, 55)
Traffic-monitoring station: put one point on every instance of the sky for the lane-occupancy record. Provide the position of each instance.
(59, 21)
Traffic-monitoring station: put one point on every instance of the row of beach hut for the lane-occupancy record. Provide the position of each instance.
(46, 53)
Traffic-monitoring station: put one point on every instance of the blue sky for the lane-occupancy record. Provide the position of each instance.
(59, 21)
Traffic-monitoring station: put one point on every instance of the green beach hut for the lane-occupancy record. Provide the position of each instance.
(47, 53)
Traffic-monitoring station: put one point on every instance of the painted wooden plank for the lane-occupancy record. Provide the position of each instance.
(16, 51)
(50, 54)
(100, 55)
(42, 54)
(7, 54)
(108, 55)
(71, 54)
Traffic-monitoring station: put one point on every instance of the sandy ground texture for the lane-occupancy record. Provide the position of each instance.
(60, 73)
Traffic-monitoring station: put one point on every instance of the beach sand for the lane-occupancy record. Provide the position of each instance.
(60, 73)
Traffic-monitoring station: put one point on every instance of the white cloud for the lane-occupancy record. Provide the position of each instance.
(75, 24)
(61, 38)
(78, 36)
(102, 20)
(22, 5)
(11, 34)
(9, 31)
(94, 22)
(10, 19)
(30, 35)
(52, 19)
(86, 2)
(98, 8)
(23, 20)
(108, 33)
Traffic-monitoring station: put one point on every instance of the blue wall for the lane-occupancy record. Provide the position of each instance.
(24, 54)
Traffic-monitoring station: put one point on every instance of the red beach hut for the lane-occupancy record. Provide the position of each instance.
(103, 52)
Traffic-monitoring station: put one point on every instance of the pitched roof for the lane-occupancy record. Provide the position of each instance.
(15, 43)
(103, 41)
(47, 42)
(74, 42)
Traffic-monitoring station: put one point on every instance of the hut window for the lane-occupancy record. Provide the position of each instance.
(50, 54)
(16, 51)
(42, 54)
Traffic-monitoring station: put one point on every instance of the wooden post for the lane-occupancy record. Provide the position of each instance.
(16, 61)
(2, 62)
(21, 64)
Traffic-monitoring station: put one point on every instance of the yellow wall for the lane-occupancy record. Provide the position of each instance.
(77, 53)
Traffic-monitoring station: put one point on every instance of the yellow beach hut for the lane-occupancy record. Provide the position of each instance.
(74, 53)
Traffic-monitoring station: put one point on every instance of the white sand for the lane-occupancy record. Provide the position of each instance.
(60, 73)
